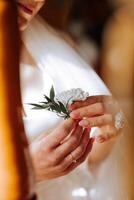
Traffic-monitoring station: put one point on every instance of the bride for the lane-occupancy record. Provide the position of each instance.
(48, 60)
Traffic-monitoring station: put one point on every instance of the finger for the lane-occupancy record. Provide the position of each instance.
(97, 121)
(78, 152)
(68, 146)
(61, 132)
(88, 111)
(82, 159)
(87, 151)
(106, 133)
(90, 100)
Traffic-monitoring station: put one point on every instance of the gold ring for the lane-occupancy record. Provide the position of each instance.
(73, 159)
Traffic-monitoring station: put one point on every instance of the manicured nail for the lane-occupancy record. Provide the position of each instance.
(84, 123)
(72, 106)
(75, 115)
(100, 139)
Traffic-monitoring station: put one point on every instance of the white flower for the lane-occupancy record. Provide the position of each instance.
(69, 96)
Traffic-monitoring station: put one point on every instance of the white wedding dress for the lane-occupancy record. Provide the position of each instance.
(59, 65)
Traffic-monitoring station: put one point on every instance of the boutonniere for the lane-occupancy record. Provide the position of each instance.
(59, 103)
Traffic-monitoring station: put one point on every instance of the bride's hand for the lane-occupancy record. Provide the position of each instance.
(99, 111)
(61, 151)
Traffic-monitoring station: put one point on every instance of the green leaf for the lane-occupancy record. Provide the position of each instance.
(53, 107)
(38, 106)
(52, 93)
(35, 105)
(57, 107)
(47, 98)
(45, 106)
(49, 104)
(43, 102)
(63, 108)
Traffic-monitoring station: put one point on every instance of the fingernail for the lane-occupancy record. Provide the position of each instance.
(75, 115)
(83, 123)
(100, 139)
(72, 106)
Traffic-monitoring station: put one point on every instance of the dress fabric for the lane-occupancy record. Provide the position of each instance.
(58, 65)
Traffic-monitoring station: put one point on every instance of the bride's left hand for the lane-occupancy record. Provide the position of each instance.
(98, 111)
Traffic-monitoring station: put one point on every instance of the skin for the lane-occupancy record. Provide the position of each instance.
(97, 111)
(54, 155)
(26, 15)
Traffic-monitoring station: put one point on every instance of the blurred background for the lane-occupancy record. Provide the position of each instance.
(103, 34)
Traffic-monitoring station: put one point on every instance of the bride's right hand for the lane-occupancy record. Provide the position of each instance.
(61, 151)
